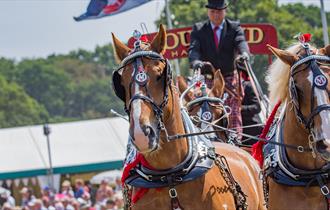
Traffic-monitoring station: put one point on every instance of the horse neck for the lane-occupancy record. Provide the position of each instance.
(295, 134)
(170, 153)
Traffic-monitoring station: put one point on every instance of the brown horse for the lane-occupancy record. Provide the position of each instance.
(211, 102)
(175, 176)
(205, 104)
(298, 177)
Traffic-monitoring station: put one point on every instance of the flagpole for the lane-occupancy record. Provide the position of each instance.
(324, 25)
(170, 26)
(46, 129)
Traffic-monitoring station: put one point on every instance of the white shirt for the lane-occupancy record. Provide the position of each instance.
(219, 30)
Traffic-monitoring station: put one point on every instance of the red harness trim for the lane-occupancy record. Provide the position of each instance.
(138, 160)
(257, 147)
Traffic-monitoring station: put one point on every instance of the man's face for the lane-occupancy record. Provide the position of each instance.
(216, 16)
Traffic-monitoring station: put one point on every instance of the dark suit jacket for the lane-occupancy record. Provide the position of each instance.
(202, 46)
(250, 110)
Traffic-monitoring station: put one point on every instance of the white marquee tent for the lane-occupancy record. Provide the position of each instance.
(81, 146)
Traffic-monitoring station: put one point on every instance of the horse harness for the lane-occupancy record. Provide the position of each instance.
(140, 77)
(205, 112)
(200, 158)
(319, 81)
(201, 155)
(277, 164)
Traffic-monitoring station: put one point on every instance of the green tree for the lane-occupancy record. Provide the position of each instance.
(7, 68)
(50, 86)
(17, 108)
(102, 55)
(94, 99)
(78, 70)
(105, 56)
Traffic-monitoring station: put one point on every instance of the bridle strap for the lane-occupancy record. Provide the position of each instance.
(315, 68)
(139, 54)
(205, 98)
(140, 78)
(316, 111)
(309, 58)
(158, 110)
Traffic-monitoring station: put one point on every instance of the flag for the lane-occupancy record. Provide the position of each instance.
(101, 8)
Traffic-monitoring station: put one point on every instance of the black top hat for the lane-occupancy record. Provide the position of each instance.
(216, 4)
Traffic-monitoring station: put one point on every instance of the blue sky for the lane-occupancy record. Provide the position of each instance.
(37, 28)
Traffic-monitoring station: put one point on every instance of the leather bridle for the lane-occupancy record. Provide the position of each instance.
(319, 81)
(140, 77)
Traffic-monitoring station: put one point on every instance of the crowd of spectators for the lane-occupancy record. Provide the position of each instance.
(79, 196)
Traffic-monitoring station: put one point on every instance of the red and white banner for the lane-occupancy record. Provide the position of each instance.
(257, 36)
(101, 8)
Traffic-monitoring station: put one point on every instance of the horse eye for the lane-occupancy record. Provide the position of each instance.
(159, 77)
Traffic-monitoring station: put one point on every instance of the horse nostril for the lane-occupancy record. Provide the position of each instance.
(148, 131)
(321, 146)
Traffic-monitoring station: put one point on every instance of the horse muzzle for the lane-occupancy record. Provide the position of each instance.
(145, 138)
(322, 147)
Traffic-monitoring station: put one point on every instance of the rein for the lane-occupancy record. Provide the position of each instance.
(290, 146)
(298, 148)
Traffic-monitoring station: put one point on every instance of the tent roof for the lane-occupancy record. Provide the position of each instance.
(75, 147)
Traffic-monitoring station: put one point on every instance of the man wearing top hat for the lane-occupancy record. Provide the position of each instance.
(219, 40)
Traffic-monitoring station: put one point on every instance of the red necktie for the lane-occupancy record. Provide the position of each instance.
(215, 36)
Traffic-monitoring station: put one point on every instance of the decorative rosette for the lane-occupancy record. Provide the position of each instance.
(304, 38)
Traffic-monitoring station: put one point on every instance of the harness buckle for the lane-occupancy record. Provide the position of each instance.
(145, 176)
(325, 190)
(173, 193)
(300, 149)
(233, 139)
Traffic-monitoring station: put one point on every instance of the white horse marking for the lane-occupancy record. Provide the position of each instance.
(140, 139)
(322, 97)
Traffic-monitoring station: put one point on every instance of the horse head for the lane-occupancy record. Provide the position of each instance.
(204, 101)
(306, 72)
(142, 81)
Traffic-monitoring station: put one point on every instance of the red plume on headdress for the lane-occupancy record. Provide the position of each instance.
(305, 37)
(144, 38)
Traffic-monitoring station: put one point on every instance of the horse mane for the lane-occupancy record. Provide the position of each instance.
(278, 75)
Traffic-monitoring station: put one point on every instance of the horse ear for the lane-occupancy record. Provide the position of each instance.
(218, 84)
(325, 50)
(285, 56)
(183, 86)
(120, 49)
(159, 42)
